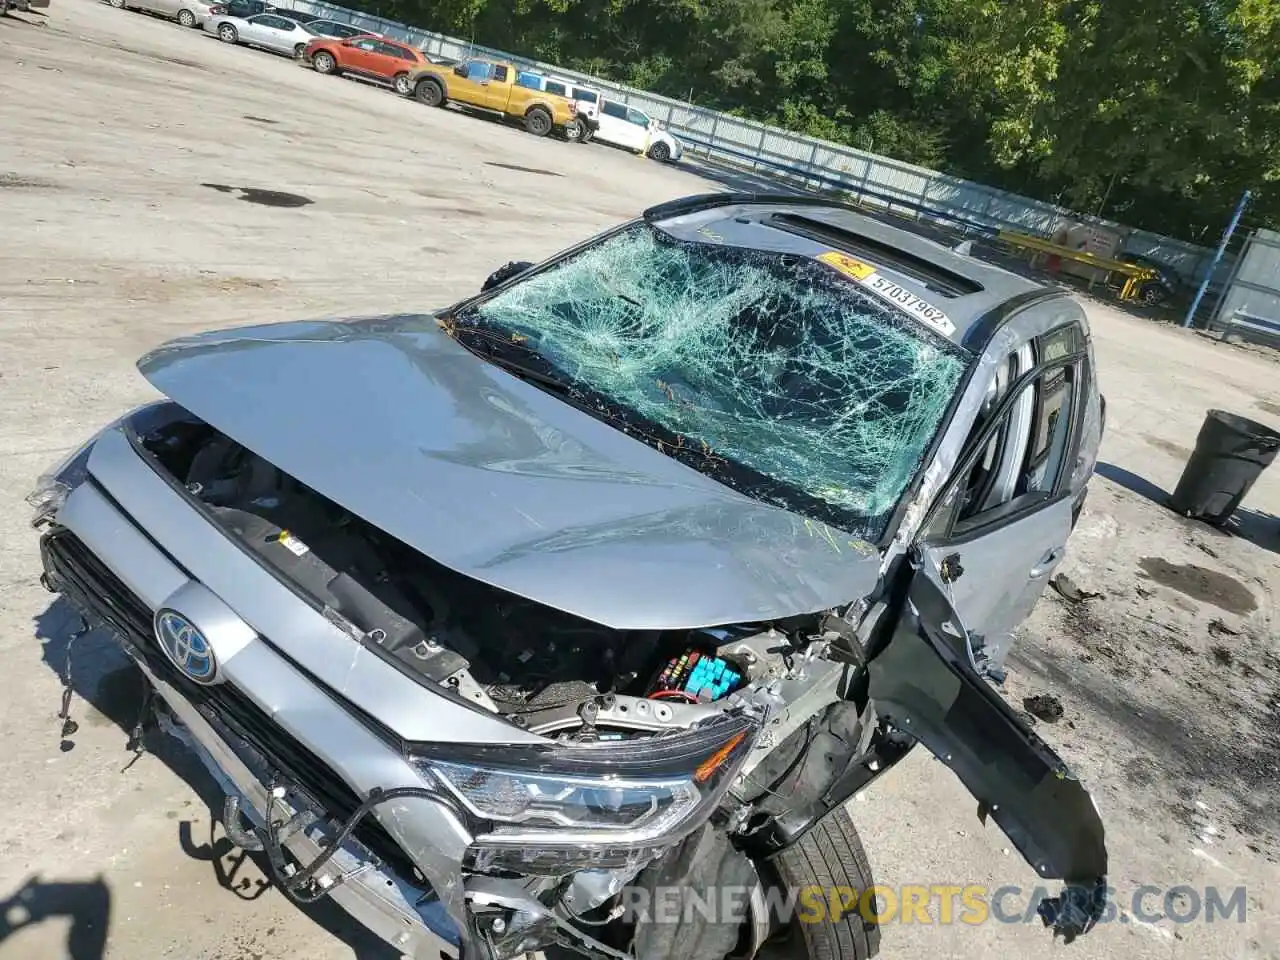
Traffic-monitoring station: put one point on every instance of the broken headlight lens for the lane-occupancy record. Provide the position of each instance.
(610, 793)
(55, 484)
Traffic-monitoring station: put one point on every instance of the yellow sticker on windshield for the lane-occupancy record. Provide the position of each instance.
(866, 276)
(847, 265)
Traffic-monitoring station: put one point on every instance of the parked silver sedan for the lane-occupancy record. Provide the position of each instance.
(267, 31)
(189, 13)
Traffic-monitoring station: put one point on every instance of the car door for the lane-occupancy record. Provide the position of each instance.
(255, 30)
(922, 682)
(613, 123)
(498, 91)
(469, 83)
(638, 134)
(272, 32)
(999, 530)
(396, 59)
(360, 55)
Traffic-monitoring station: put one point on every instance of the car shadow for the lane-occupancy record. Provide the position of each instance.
(86, 904)
(105, 683)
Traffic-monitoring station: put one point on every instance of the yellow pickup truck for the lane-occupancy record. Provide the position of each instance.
(491, 86)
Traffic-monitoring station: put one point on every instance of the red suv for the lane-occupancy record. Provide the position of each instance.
(374, 58)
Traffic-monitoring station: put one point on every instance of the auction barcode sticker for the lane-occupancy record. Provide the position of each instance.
(865, 275)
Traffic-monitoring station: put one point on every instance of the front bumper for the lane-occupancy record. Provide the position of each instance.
(286, 727)
(373, 890)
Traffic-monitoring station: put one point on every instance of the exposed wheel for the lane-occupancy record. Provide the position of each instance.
(227, 34)
(575, 132)
(186, 18)
(118, 4)
(538, 122)
(402, 85)
(430, 92)
(1153, 294)
(828, 857)
(298, 48)
(324, 62)
(660, 152)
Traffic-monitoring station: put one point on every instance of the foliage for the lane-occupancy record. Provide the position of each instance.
(1156, 114)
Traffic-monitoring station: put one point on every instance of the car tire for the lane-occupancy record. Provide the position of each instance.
(323, 62)
(400, 83)
(575, 132)
(538, 122)
(227, 34)
(1153, 294)
(660, 152)
(298, 50)
(186, 19)
(429, 92)
(118, 4)
(830, 855)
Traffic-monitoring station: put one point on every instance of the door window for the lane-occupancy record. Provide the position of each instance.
(530, 80)
(274, 23)
(478, 70)
(500, 74)
(611, 108)
(366, 44)
(1021, 455)
(553, 87)
(636, 117)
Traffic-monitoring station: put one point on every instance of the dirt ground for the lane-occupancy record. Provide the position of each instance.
(129, 152)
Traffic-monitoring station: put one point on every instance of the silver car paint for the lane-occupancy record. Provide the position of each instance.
(500, 481)
(428, 831)
(272, 609)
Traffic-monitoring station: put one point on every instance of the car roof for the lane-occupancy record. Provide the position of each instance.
(966, 290)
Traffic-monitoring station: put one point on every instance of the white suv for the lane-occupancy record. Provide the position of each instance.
(625, 126)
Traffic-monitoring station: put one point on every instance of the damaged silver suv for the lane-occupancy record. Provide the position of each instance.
(501, 623)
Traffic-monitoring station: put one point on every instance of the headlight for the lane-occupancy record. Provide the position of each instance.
(611, 795)
(55, 484)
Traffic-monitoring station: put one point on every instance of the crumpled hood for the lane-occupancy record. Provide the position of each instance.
(496, 479)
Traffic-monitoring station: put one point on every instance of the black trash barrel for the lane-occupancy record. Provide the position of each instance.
(1230, 453)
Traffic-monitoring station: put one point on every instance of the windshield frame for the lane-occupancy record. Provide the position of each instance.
(452, 321)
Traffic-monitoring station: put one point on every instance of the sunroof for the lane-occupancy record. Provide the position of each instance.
(937, 278)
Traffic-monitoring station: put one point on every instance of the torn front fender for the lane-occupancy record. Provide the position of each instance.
(924, 683)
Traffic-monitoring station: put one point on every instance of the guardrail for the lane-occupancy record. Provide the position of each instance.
(763, 147)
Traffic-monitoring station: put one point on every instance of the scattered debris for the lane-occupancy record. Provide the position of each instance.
(1222, 655)
(1044, 706)
(1205, 548)
(1218, 628)
(1068, 590)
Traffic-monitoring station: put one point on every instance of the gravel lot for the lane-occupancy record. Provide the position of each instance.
(124, 144)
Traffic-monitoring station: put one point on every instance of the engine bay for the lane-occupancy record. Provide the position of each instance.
(542, 669)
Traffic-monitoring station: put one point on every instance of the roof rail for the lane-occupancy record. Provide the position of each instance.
(709, 201)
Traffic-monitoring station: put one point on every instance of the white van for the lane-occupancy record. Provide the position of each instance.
(627, 126)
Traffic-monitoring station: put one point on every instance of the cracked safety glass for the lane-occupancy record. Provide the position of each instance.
(800, 390)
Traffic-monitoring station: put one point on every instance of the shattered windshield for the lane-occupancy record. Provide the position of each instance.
(780, 378)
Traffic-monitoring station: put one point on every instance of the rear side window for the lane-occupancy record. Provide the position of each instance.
(530, 80)
(586, 96)
(636, 117)
(500, 74)
(557, 88)
(612, 109)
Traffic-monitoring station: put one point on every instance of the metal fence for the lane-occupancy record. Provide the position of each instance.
(1253, 290)
(812, 163)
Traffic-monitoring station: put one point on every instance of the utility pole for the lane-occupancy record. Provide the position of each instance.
(1217, 257)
